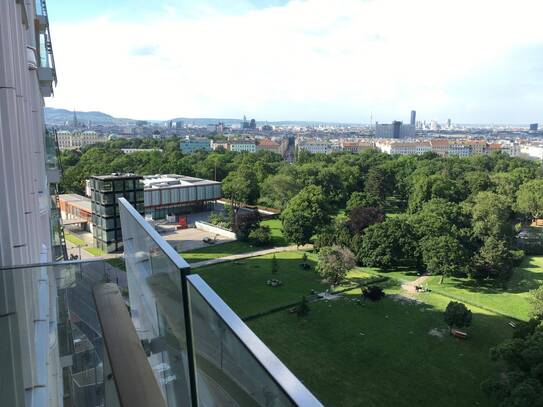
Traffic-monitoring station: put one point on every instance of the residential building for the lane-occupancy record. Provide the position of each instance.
(355, 146)
(243, 146)
(172, 194)
(532, 151)
(314, 146)
(458, 149)
(192, 144)
(440, 146)
(275, 146)
(404, 148)
(105, 192)
(219, 144)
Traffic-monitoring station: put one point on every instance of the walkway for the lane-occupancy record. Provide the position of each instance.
(257, 253)
(409, 288)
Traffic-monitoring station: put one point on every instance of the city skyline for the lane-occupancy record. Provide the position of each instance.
(308, 61)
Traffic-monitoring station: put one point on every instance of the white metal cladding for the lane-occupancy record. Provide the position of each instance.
(181, 195)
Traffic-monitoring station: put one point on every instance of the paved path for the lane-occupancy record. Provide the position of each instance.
(257, 253)
(410, 287)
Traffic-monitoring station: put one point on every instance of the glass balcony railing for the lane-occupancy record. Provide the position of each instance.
(72, 320)
(181, 345)
(202, 353)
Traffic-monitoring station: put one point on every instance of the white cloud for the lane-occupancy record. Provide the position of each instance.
(315, 59)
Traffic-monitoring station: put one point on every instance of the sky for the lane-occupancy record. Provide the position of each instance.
(474, 61)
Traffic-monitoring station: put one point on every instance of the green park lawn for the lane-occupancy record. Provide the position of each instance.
(382, 354)
(74, 239)
(242, 284)
(513, 300)
(236, 247)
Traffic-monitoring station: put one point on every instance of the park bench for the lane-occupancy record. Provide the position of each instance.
(512, 324)
(459, 334)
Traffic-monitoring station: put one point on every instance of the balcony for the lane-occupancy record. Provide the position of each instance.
(181, 344)
(46, 68)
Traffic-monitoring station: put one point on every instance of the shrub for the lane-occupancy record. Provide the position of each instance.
(457, 315)
(303, 308)
(260, 236)
(245, 223)
(373, 293)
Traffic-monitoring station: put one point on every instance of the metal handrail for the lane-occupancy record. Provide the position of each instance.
(132, 374)
(279, 373)
(52, 264)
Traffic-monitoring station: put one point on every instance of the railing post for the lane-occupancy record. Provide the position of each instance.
(191, 353)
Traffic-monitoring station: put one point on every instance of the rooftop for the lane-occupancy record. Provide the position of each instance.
(173, 180)
(80, 201)
(116, 175)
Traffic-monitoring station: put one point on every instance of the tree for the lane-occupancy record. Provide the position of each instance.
(278, 189)
(490, 214)
(245, 223)
(337, 233)
(304, 214)
(363, 199)
(457, 315)
(334, 263)
(443, 255)
(274, 265)
(361, 217)
(260, 236)
(521, 382)
(530, 198)
(493, 260)
(303, 308)
(386, 244)
(305, 265)
(378, 183)
(537, 302)
(241, 187)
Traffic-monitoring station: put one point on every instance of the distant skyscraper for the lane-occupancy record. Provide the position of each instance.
(449, 123)
(533, 127)
(413, 117)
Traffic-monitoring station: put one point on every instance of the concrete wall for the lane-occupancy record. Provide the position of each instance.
(214, 230)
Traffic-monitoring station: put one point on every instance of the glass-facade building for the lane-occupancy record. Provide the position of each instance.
(105, 192)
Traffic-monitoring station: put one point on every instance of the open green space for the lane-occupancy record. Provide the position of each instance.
(242, 284)
(74, 239)
(95, 251)
(389, 353)
(512, 299)
(237, 247)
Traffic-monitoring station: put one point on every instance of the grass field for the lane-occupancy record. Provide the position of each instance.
(94, 251)
(513, 300)
(237, 247)
(74, 239)
(242, 284)
(381, 354)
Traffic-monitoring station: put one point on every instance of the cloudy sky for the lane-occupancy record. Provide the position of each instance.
(475, 61)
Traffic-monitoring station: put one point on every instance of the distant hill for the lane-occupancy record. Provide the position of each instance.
(59, 117)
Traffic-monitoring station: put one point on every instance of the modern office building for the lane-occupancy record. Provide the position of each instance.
(533, 126)
(192, 144)
(395, 130)
(105, 192)
(172, 194)
(413, 118)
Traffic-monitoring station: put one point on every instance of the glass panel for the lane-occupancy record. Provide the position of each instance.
(156, 303)
(228, 374)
